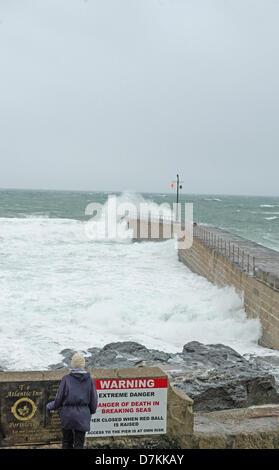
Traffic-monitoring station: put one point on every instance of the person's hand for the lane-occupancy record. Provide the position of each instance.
(48, 411)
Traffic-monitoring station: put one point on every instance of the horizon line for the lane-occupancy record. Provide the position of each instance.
(134, 191)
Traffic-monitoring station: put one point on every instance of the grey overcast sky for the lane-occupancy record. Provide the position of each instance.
(123, 94)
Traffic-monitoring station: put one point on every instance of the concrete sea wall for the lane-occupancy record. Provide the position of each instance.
(25, 421)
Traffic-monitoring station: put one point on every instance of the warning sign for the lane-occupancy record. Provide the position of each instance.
(130, 406)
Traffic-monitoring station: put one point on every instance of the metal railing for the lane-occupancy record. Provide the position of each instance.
(231, 251)
(240, 257)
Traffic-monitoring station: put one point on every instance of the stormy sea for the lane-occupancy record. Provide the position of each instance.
(62, 289)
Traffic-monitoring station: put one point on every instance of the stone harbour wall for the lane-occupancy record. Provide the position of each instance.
(150, 230)
(226, 259)
(259, 299)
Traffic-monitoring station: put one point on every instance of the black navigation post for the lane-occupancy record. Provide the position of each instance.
(178, 187)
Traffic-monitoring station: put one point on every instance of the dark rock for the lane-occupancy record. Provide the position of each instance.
(68, 351)
(107, 359)
(93, 350)
(215, 376)
(124, 354)
(213, 355)
(269, 364)
(125, 347)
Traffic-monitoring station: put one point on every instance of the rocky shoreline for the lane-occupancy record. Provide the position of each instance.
(215, 376)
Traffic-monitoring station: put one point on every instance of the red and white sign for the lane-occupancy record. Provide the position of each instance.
(129, 407)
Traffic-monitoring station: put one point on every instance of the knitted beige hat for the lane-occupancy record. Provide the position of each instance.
(78, 361)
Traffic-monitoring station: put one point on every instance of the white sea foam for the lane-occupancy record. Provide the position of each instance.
(213, 199)
(271, 218)
(61, 290)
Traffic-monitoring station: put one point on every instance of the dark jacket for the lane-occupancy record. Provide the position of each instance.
(77, 397)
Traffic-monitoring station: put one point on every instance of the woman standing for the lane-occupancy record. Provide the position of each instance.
(77, 397)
